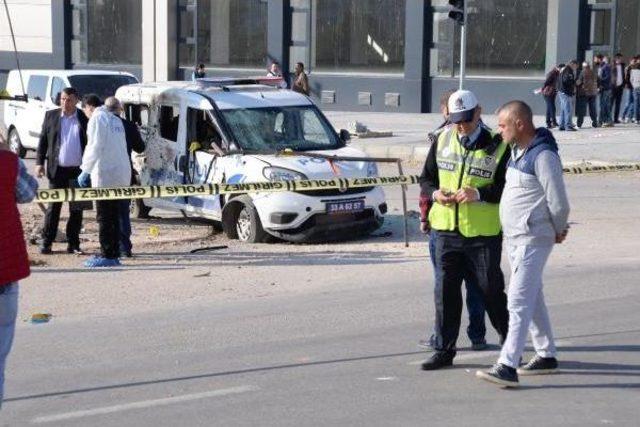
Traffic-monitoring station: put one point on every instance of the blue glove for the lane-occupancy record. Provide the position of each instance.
(84, 180)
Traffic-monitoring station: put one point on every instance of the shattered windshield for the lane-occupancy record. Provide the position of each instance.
(278, 128)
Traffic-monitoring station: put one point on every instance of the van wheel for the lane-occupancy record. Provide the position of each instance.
(248, 226)
(15, 144)
(138, 209)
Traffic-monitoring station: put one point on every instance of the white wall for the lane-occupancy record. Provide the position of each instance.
(31, 21)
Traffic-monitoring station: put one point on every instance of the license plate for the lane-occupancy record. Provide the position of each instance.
(345, 206)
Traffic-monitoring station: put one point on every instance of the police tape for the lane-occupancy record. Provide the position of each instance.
(203, 190)
(620, 167)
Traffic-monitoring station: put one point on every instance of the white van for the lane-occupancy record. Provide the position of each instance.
(24, 119)
(235, 131)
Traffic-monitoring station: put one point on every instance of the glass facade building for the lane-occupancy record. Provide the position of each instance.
(367, 55)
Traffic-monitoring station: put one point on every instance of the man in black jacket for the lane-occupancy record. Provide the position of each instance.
(62, 142)
(566, 94)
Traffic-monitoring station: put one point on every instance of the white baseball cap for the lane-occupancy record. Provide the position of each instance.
(462, 106)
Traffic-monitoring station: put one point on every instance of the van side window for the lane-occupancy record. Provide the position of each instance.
(138, 114)
(37, 88)
(201, 129)
(56, 87)
(169, 121)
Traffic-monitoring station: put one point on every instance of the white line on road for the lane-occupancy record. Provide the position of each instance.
(143, 404)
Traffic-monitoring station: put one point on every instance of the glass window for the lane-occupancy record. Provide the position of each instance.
(106, 31)
(230, 33)
(37, 87)
(278, 128)
(499, 41)
(103, 85)
(359, 35)
(56, 87)
(628, 28)
(601, 27)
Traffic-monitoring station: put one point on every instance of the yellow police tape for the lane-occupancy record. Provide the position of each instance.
(200, 190)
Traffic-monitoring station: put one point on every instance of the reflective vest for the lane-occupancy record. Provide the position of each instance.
(459, 168)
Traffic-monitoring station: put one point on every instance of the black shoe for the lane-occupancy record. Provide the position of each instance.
(45, 249)
(74, 249)
(594, 125)
(500, 374)
(539, 365)
(479, 345)
(439, 359)
(572, 129)
(560, 128)
(126, 253)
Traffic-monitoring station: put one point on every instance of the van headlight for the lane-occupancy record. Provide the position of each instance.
(372, 169)
(282, 174)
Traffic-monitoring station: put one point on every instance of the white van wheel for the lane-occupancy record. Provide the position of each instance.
(248, 226)
(15, 144)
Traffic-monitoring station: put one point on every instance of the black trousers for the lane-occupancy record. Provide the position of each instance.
(617, 99)
(107, 214)
(52, 215)
(474, 259)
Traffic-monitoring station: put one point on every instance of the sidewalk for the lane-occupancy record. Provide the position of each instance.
(620, 143)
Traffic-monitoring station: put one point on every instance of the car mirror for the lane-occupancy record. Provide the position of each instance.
(345, 136)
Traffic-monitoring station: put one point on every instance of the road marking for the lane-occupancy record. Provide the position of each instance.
(143, 404)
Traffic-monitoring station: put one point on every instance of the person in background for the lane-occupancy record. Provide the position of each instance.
(567, 93)
(301, 80)
(62, 142)
(617, 80)
(605, 90)
(274, 71)
(16, 186)
(534, 211)
(134, 143)
(587, 91)
(628, 114)
(475, 306)
(105, 164)
(198, 72)
(549, 91)
(634, 79)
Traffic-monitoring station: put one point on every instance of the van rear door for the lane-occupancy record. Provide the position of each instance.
(33, 115)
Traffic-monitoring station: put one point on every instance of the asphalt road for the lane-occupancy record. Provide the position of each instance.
(343, 352)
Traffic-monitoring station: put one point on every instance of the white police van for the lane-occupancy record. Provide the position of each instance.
(24, 119)
(236, 131)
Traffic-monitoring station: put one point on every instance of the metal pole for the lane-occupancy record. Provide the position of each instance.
(463, 45)
(404, 207)
(15, 49)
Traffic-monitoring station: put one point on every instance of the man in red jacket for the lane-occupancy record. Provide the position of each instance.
(16, 186)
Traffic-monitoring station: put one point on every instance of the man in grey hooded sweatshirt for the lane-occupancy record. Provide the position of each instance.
(534, 210)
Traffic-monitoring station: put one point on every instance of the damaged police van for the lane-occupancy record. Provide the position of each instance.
(241, 131)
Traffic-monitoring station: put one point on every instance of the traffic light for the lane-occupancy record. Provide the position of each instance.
(457, 11)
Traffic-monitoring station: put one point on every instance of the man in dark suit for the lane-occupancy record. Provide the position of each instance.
(62, 142)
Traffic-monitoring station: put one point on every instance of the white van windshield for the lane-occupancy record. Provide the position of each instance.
(103, 85)
(278, 128)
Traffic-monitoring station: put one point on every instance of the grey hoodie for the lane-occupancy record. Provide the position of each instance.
(534, 207)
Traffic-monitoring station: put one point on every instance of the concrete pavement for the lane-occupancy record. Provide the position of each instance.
(620, 143)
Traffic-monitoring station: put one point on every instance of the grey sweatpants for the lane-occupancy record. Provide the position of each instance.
(525, 302)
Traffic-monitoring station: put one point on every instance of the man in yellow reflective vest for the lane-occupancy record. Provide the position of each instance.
(465, 174)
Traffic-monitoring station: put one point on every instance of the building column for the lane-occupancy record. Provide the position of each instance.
(416, 53)
(279, 33)
(159, 40)
(563, 17)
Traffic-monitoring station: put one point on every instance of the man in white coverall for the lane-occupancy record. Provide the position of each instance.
(105, 163)
(533, 213)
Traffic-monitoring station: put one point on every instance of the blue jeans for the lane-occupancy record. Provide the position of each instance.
(629, 109)
(606, 96)
(565, 111)
(8, 313)
(125, 226)
(475, 305)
